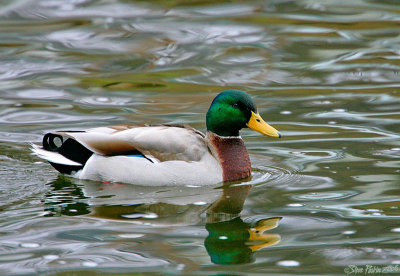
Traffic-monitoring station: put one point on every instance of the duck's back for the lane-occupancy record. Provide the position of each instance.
(147, 155)
(172, 155)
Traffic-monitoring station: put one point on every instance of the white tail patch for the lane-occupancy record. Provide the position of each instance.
(53, 157)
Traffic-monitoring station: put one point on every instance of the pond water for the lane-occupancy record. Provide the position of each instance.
(325, 199)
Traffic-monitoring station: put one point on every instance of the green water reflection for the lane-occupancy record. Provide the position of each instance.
(235, 241)
(230, 240)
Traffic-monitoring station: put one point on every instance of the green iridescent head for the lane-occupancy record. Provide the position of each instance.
(233, 110)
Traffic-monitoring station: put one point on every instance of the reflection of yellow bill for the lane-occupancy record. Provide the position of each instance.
(258, 124)
(258, 239)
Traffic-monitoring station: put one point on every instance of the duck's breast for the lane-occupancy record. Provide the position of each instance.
(232, 155)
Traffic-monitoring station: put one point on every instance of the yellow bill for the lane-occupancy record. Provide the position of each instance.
(258, 124)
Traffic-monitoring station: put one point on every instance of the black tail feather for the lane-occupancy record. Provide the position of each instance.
(69, 148)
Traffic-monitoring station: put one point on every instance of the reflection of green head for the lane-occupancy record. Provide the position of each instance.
(226, 242)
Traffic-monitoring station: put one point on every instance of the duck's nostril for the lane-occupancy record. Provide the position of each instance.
(258, 120)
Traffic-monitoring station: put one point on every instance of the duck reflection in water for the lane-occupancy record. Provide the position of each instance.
(230, 240)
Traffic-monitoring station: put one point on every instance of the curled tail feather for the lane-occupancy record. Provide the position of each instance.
(65, 155)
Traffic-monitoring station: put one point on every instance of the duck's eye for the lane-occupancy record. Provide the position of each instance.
(235, 105)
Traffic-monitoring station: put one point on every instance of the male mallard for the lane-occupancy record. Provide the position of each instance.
(162, 154)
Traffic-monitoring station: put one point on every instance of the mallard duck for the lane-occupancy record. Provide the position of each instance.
(162, 154)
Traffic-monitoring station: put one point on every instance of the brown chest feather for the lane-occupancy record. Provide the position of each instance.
(232, 155)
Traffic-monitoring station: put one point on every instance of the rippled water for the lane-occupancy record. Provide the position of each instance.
(325, 199)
